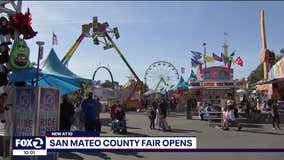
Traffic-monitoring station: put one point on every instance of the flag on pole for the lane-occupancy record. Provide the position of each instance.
(196, 55)
(54, 39)
(239, 61)
(208, 59)
(233, 53)
(225, 58)
(192, 76)
(217, 58)
(182, 69)
(195, 63)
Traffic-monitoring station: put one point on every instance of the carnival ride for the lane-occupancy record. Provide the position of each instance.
(161, 75)
(108, 70)
(101, 33)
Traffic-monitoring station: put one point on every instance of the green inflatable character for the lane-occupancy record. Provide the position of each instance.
(19, 55)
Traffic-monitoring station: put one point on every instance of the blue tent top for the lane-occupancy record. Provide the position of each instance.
(52, 65)
(64, 83)
(181, 85)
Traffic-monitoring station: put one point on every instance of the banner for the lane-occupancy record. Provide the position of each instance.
(24, 111)
(196, 55)
(193, 76)
(48, 113)
(208, 59)
(225, 58)
(54, 39)
(217, 58)
(239, 61)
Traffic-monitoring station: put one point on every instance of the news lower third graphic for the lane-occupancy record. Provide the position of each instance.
(91, 141)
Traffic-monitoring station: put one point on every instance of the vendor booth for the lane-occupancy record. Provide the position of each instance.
(212, 85)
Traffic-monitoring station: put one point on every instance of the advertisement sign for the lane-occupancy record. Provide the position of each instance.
(277, 70)
(48, 115)
(218, 73)
(48, 112)
(24, 111)
(194, 84)
(218, 84)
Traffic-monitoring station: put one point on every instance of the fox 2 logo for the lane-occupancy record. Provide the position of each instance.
(28, 142)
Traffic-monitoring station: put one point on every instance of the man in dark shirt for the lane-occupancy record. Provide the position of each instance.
(66, 114)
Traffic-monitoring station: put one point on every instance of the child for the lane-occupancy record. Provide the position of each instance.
(225, 120)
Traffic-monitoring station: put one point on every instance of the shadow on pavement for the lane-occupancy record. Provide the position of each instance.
(137, 134)
(263, 132)
(98, 154)
(129, 154)
(249, 125)
(176, 130)
(69, 155)
(133, 127)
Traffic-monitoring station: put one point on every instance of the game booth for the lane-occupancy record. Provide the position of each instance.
(212, 86)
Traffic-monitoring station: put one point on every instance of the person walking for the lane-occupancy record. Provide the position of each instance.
(163, 115)
(152, 116)
(232, 113)
(245, 105)
(90, 108)
(66, 114)
(275, 115)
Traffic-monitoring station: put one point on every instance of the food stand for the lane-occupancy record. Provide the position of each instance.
(212, 85)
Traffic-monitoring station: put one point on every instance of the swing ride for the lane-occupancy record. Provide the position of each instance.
(101, 33)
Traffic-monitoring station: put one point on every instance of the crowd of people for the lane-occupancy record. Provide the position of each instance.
(230, 110)
(84, 114)
(78, 114)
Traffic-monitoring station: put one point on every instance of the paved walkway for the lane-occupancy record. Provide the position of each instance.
(252, 136)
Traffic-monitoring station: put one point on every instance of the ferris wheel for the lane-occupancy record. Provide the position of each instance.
(161, 74)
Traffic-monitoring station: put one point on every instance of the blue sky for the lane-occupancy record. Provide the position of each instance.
(152, 31)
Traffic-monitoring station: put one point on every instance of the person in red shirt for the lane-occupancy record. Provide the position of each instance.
(112, 110)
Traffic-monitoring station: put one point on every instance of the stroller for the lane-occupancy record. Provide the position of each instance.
(118, 125)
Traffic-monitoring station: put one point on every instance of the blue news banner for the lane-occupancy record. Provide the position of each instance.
(92, 142)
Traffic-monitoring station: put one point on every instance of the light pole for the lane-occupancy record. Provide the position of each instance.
(39, 57)
(204, 45)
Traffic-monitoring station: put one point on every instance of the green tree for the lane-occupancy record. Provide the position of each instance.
(256, 74)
